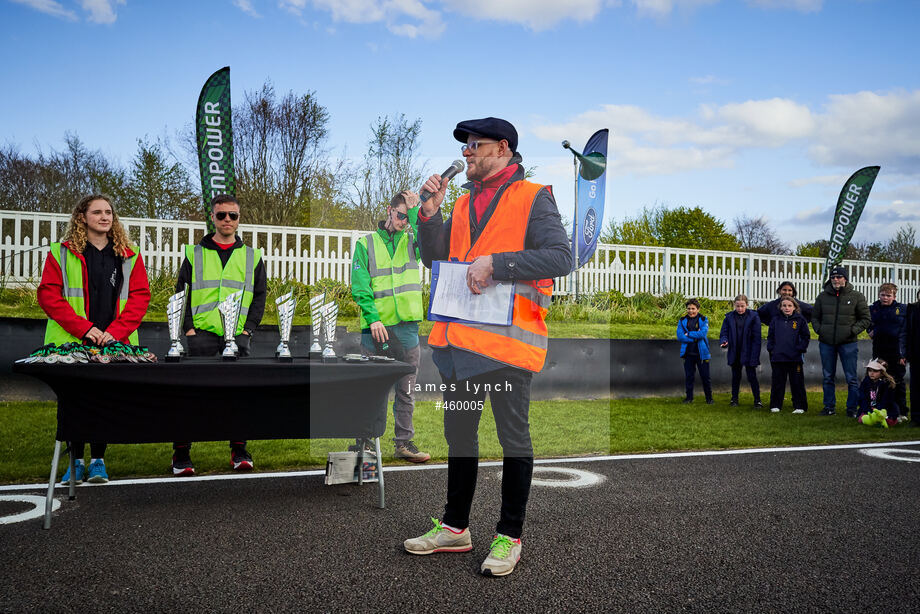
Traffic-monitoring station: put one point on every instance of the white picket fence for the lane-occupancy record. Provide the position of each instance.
(311, 254)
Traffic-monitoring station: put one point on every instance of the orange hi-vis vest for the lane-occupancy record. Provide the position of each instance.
(523, 343)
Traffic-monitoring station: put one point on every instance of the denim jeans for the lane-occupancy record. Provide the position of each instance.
(848, 356)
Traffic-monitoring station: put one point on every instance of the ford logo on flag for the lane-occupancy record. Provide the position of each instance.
(590, 226)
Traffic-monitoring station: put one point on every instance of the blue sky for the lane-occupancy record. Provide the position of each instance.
(757, 107)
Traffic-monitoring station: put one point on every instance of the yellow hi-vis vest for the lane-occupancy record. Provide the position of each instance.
(395, 281)
(72, 267)
(212, 283)
(522, 344)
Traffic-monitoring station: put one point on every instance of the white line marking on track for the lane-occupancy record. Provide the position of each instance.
(37, 512)
(576, 477)
(893, 454)
(541, 461)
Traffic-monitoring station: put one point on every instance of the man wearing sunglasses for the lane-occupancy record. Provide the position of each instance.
(839, 314)
(219, 266)
(386, 284)
(510, 230)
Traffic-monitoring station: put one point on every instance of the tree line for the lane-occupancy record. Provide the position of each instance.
(285, 172)
(287, 175)
(694, 228)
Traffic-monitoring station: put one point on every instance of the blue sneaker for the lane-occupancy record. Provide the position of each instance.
(97, 474)
(80, 470)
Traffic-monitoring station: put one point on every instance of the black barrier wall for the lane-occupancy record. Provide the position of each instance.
(575, 368)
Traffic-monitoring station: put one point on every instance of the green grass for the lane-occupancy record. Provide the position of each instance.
(558, 429)
(658, 425)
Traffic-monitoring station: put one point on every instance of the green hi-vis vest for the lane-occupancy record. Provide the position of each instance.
(396, 281)
(212, 283)
(72, 276)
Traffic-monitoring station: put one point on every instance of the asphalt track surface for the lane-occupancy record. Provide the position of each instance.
(805, 531)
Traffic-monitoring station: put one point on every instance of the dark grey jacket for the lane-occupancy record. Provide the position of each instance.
(838, 317)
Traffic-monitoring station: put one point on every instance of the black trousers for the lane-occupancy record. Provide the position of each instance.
(206, 343)
(96, 450)
(509, 393)
(796, 376)
(691, 365)
(751, 378)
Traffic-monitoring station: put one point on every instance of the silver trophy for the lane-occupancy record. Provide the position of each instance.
(286, 304)
(229, 309)
(175, 312)
(330, 315)
(316, 326)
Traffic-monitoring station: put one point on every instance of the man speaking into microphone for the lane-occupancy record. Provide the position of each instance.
(510, 230)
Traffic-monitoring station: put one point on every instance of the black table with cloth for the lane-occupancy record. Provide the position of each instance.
(207, 399)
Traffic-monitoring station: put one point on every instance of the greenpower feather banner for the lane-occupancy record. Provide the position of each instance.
(850, 206)
(215, 137)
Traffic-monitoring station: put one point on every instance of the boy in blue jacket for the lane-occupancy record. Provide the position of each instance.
(787, 340)
(692, 330)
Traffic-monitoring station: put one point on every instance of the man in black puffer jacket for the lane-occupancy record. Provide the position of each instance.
(840, 313)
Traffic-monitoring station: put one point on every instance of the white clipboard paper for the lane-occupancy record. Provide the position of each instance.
(452, 300)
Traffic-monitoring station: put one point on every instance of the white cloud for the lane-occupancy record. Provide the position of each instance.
(409, 18)
(851, 130)
(708, 80)
(867, 128)
(535, 14)
(246, 7)
(101, 11)
(803, 6)
(663, 8)
(49, 7)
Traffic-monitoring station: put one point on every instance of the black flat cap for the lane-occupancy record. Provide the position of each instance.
(489, 127)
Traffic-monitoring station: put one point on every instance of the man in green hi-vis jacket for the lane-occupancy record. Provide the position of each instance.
(387, 285)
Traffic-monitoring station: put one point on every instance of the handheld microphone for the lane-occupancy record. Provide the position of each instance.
(456, 167)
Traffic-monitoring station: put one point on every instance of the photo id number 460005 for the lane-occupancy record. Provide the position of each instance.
(459, 405)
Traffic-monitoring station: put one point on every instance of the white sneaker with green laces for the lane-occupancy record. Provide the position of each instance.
(439, 539)
(504, 554)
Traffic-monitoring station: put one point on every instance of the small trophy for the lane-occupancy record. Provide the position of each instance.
(330, 315)
(230, 316)
(175, 312)
(286, 304)
(316, 326)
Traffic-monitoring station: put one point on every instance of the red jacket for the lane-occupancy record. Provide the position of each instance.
(51, 299)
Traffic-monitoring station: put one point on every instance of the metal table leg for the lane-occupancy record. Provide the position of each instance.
(49, 499)
(382, 501)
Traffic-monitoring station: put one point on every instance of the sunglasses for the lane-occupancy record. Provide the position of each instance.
(401, 216)
(474, 145)
(222, 214)
(836, 276)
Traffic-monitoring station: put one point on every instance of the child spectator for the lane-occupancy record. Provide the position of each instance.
(740, 335)
(889, 339)
(768, 311)
(787, 340)
(876, 396)
(692, 330)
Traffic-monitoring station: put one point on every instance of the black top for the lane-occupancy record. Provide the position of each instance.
(103, 270)
(256, 308)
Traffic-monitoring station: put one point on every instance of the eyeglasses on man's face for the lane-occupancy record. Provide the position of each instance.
(223, 214)
(474, 145)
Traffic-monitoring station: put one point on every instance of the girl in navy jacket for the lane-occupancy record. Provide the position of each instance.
(787, 340)
(876, 392)
(740, 335)
(692, 331)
